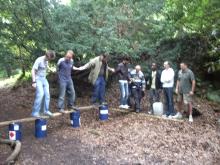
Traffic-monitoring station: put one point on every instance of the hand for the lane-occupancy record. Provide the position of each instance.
(191, 93)
(177, 91)
(112, 69)
(34, 85)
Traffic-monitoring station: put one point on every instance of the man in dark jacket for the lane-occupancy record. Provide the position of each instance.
(155, 86)
(122, 71)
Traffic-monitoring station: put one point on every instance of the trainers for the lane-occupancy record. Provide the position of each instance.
(37, 115)
(48, 113)
(190, 118)
(121, 106)
(170, 117)
(71, 108)
(164, 116)
(178, 116)
(61, 111)
(137, 110)
(126, 107)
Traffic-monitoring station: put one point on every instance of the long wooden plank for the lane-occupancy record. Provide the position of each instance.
(144, 114)
(56, 114)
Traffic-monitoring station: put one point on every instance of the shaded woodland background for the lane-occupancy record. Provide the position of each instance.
(145, 30)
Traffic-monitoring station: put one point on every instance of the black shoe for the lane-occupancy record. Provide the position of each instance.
(137, 110)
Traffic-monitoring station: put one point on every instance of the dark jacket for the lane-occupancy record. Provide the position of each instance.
(122, 71)
(157, 81)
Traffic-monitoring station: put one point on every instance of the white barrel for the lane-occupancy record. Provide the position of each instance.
(158, 108)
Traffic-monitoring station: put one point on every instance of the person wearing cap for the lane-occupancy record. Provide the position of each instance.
(65, 66)
(98, 76)
(167, 79)
(137, 81)
(40, 83)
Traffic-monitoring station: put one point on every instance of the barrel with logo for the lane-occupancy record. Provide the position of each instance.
(75, 118)
(14, 131)
(103, 112)
(40, 128)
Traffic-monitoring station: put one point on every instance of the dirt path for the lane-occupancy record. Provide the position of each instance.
(123, 139)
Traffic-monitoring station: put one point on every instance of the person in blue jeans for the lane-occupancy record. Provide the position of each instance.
(167, 79)
(98, 76)
(122, 71)
(64, 69)
(40, 83)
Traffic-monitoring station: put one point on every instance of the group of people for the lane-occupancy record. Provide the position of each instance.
(132, 83)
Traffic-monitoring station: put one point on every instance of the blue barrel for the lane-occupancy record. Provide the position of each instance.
(103, 112)
(40, 128)
(75, 118)
(14, 132)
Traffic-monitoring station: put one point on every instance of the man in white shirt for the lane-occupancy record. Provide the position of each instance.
(167, 78)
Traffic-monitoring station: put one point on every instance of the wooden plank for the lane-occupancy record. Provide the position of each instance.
(162, 118)
(144, 114)
(121, 110)
(56, 114)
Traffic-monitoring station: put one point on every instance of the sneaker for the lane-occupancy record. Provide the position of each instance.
(121, 106)
(126, 107)
(178, 116)
(170, 117)
(190, 118)
(137, 110)
(37, 115)
(164, 116)
(48, 113)
(61, 110)
(71, 108)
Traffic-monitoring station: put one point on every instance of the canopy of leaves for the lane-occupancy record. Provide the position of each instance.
(144, 29)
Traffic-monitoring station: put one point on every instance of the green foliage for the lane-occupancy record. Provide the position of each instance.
(146, 30)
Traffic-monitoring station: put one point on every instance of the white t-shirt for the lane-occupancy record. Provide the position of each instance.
(167, 78)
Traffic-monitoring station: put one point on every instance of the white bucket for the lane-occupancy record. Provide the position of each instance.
(158, 108)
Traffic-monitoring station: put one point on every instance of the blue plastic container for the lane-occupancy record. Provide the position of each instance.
(14, 132)
(40, 128)
(103, 112)
(75, 118)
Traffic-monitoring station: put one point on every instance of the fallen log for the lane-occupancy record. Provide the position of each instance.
(56, 114)
(16, 145)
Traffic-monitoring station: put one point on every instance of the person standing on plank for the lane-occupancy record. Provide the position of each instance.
(122, 71)
(137, 86)
(155, 86)
(64, 69)
(40, 83)
(185, 88)
(167, 78)
(98, 76)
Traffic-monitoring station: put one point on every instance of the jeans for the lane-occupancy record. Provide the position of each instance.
(168, 93)
(124, 92)
(42, 96)
(154, 96)
(66, 87)
(99, 90)
(136, 93)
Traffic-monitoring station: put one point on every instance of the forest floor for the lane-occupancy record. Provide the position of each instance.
(126, 138)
